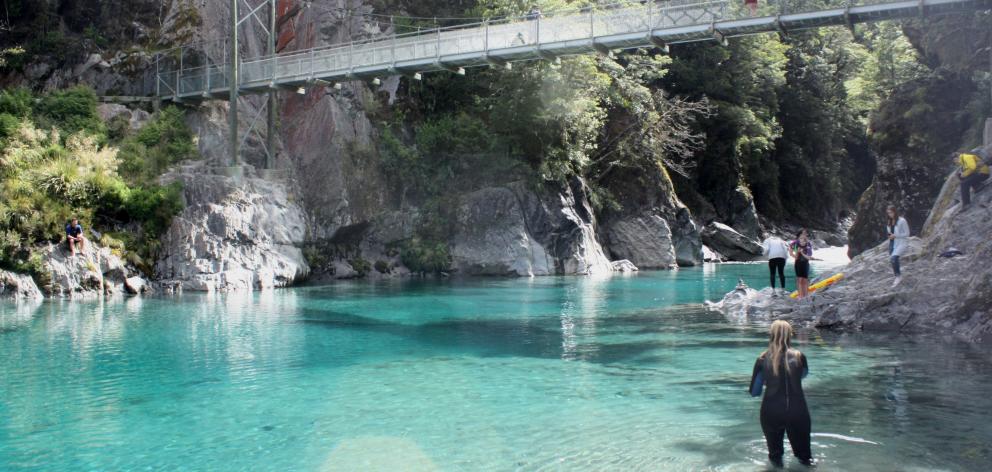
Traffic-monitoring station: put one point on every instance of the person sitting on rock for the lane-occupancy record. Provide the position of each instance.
(74, 234)
(972, 173)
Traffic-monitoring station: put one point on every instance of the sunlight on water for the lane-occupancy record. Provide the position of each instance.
(557, 373)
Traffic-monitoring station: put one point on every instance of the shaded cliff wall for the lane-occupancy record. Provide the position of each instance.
(918, 126)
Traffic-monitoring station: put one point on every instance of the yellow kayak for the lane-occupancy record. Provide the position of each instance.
(821, 284)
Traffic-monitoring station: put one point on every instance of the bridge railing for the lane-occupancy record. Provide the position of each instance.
(481, 40)
(481, 37)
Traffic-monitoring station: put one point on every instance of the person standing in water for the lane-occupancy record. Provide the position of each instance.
(802, 251)
(780, 369)
(898, 230)
(776, 250)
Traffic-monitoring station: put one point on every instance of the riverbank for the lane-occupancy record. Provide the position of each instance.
(948, 295)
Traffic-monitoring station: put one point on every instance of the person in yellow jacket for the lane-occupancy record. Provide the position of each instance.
(972, 173)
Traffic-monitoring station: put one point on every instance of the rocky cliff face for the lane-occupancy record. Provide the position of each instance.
(234, 234)
(514, 230)
(921, 123)
(652, 228)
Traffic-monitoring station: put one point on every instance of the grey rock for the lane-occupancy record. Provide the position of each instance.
(136, 285)
(515, 230)
(93, 272)
(18, 287)
(645, 241)
(709, 255)
(492, 238)
(687, 240)
(624, 266)
(234, 234)
(728, 242)
(562, 221)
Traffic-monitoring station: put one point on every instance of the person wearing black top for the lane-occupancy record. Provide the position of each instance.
(74, 234)
(780, 369)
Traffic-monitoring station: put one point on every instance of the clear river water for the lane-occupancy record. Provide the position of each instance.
(558, 373)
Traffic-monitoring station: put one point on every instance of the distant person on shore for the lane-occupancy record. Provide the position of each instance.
(898, 230)
(801, 249)
(776, 250)
(74, 234)
(972, 173)
(752, 7)
(780, 369)
(534, 13)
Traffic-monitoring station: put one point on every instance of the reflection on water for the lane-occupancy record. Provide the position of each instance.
(550, 373)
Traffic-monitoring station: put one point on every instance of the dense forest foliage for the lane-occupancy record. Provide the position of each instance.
(59, 160)
(780, 119)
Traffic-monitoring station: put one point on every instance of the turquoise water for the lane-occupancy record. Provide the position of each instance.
(558, 373)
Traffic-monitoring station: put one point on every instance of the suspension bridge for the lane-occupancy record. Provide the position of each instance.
(500, 43)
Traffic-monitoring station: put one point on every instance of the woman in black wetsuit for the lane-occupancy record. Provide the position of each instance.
(783, 409)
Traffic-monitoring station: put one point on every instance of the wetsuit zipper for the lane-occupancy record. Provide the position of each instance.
(786, 380)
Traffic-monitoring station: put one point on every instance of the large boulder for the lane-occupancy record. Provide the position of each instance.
(18, 287)
(234, 234)
(492, 238)
(650, 226)
(516, 230)
(93, 272)
(562, 221)
(728, 242)
(646, 241)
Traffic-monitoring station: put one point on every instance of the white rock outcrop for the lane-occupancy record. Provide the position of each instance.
(18, 287)
(234, 234)
(93, 272)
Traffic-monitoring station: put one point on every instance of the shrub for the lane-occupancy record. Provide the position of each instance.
(8, 126)
(381, 266)
(425, 256)
(71, 110)
(16, 102)
(362, 266)
(164, 141)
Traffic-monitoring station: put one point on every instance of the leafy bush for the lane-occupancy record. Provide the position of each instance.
(71, 110)
(381, 266)
(8, 126)
(423, 256)
(164, 141)
(48, 177)
(16, 102)
(362, 266)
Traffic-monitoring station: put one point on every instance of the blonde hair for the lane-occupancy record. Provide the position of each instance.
(780, 334)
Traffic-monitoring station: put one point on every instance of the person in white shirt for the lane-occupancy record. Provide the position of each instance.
(898, 230)
(777, 251)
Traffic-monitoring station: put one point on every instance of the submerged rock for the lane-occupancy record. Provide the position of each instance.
(728, 242)
(624, 266)
(234, 234)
